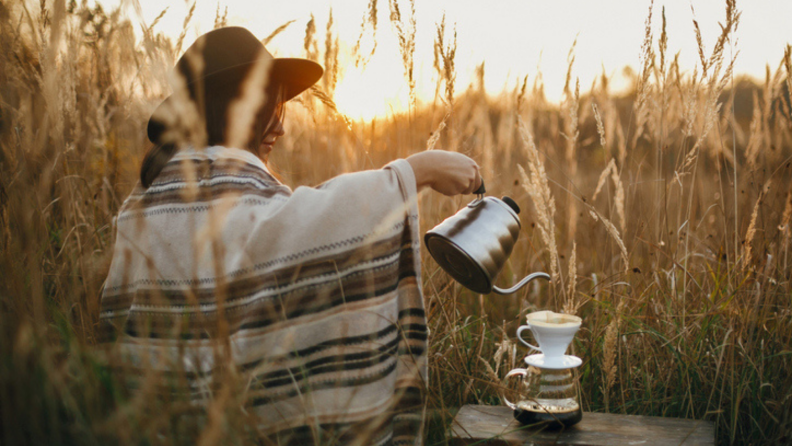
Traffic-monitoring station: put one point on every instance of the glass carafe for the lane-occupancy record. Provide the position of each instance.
(542, 395)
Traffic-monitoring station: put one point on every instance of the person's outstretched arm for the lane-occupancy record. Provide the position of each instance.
(449, 173)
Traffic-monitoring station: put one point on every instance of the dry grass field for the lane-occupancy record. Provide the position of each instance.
(662, 214)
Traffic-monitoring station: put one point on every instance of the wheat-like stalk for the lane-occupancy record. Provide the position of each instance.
(604, 177)
(432, 141)
(369, 19)
(613, 232)
(750, 233)
(622, 141)
(520, 97)
(331, 67)
(489, 371)
(317, 92)
(689, 109)
(618, 200)
(149, 29)
(265, 41)
(444, 62)
(183, 116)
(186, 23)
(570, 65)
(644, 89)
(310, 44)
(613, 171)
(788, 65)
(786, 219)
(610, 352)
(505, 347)
(716, 81)
(727, 30)
(699, 42)
(536, 184)
(756, 132)
(711, 108)
(571, 304)
(572, 135)
(221, 20)
(600, 126)
(242, 110)
(405, 32)
(662, 45)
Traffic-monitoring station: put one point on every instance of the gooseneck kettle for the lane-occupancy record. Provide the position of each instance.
(473, 245)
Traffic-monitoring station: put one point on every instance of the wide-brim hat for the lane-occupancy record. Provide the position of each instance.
(226, 57)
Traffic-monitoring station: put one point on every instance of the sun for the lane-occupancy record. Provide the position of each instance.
(375, 91)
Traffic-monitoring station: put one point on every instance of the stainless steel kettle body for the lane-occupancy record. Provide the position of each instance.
(473, 245)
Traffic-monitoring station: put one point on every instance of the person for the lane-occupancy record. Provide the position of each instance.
(309, 299)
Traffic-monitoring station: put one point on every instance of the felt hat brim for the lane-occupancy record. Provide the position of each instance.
(293, 74)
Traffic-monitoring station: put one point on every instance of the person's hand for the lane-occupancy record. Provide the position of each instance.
(449, 173)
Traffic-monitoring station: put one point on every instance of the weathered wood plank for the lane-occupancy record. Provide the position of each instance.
(494, 425)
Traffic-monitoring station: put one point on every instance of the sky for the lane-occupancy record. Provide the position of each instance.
(513, 38)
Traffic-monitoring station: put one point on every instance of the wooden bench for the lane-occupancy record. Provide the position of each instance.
(495, 425)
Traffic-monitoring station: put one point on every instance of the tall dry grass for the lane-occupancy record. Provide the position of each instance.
(674, 233)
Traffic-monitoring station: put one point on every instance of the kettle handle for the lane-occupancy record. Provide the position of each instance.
(521, 283)
(481, 190)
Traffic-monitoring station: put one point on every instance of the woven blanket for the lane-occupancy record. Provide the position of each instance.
(312, 296)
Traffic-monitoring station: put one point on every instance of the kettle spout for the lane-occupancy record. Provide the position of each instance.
(521, 283)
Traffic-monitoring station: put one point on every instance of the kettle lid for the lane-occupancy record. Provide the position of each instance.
(512, 204)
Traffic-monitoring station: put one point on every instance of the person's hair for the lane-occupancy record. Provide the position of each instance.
(217, 99)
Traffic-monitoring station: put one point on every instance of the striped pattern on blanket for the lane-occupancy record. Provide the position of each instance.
(312, 296)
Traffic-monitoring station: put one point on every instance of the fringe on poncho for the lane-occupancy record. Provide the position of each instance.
(313, 297)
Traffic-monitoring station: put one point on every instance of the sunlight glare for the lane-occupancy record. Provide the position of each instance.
(376, 91)
(511, 36)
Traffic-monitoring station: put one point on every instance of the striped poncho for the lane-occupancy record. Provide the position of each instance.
(313, 296)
